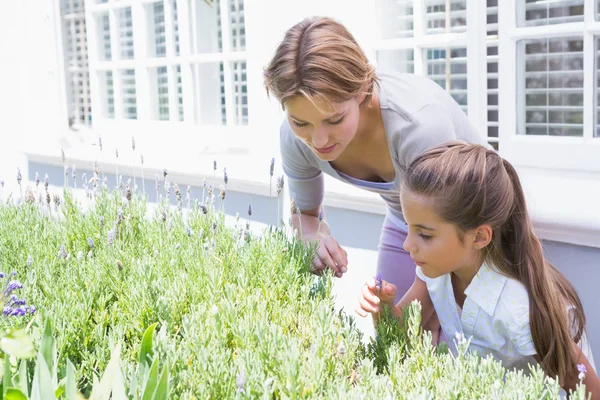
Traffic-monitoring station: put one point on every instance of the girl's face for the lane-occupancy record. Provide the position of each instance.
(434, 244)
(326, 133)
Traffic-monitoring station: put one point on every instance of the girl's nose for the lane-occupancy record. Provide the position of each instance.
(408, 245)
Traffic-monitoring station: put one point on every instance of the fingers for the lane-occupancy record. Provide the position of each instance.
(331, 256)
(369, 302)
(326, 259)
(388, 292)
(338, 254)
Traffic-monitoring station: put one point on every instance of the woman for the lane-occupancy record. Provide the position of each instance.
(360, 125)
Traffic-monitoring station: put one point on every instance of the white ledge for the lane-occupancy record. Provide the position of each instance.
(564, 206)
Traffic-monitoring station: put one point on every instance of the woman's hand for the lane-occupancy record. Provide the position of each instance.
(330, 255)
(376, 293)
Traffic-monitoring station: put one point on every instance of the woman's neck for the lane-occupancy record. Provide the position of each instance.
(370, 127)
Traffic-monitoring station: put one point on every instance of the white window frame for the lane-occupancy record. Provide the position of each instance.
(152, 128)
(474, 39)
(547, 152)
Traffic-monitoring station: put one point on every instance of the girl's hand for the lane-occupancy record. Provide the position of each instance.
(330, 255)
(375, 293)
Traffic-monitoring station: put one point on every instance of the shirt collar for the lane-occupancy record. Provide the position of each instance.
(485, 288)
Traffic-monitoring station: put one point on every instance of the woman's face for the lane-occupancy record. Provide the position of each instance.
(327, 132)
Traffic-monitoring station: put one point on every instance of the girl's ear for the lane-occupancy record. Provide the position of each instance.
(483, 236)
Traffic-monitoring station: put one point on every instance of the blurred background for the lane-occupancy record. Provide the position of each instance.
(183, 80)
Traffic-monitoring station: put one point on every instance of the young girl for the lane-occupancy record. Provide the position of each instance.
(481, 267)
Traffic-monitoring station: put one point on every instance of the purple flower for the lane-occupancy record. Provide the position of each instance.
(7, 310)
(582, 371)
(225, 178)
(19, 176)
(111, 236)
(1, 275)
(29, 262)
(249, 210)
(379, 280)
(12, 285)
(90, 243)
(62, 253)
(32, 309)
(272, 167)
(280, 184)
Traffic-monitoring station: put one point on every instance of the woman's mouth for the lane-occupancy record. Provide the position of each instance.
(325, 150)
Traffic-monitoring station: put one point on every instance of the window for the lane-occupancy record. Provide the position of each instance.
(76, 62)
(433, 38)
(540, 105)
(548, 94)
(169, 60)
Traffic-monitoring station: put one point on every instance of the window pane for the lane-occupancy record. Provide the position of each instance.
(205, 25)
(550, 77)
(104, 51)
(209, 93)
(597, 130)
(544, 12)
(397, 60)
(395, 19)
(448, 68)
(179, 92)
(238, 25)
(129, 94)
(125, 32)
(108, 94)
(492, 17)
(492, 91)
(240, 92)
(157, 30)
(160, 78)
(175, 27)
(440, 20)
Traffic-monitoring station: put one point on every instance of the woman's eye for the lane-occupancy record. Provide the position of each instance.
(339, 121)
(299, 125)
(425, 237)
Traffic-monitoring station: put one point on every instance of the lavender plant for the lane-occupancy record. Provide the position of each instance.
(197, 312)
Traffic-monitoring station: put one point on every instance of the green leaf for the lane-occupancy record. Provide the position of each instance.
(14, 394)
(47, 345)
(102, 390)
(152, 381)
(42, 388)
(23, 378)
(146, 351)
(6, 378)
(162, 391)
(71, 384)
(17, 344)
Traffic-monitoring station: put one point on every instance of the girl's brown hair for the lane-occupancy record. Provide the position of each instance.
(472, 186)
(320, 60)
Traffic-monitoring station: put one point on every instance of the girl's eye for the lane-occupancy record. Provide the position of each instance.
(425, 237)
(300, 125)
(339, 121)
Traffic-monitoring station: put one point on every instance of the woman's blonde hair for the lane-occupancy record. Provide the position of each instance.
(320, 60)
